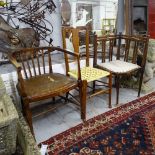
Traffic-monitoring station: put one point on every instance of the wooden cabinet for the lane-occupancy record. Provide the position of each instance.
(151, 21)
(139, 16)
(143, 17)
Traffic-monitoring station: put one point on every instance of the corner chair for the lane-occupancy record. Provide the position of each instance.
(121, 55)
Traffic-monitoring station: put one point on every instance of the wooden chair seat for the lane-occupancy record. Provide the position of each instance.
(119, 66)
(89, 73)
(42, 85)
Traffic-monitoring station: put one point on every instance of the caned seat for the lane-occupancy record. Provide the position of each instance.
(89, 73)
(43, 85)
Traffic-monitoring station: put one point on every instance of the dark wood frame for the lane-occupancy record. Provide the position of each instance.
(116, 41)
(22, 58)
(86, 56)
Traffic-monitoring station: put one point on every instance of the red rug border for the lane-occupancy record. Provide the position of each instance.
(105, 114)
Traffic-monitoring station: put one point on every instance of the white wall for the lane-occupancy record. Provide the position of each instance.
(104, 9)
(100, 8)
(55, 19)
(96, 17)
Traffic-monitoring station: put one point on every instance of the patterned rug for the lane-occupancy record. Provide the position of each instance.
(125, 130)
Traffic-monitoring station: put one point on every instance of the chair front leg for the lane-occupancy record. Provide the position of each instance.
(140, 81)
(28, 114)
(22, 105)
(94, 84)
(110, 89)
(117, 89)
(83, 95)
(67, 94)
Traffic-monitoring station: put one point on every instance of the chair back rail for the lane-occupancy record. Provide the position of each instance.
(124, 47)
(33, 61)
(38, 81)
(75, 37)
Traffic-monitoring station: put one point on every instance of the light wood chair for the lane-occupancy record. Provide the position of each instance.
(121, 55)
(37, 81)
(88, 72)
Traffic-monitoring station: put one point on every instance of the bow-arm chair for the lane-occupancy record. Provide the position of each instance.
(38, 81)
(122, 55)
(89, 74)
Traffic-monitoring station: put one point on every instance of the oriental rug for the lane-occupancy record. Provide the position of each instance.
(125, 130)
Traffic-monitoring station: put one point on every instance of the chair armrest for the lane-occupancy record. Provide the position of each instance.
(18, 68)
(67, 51)
(14, 62)
(77, 55)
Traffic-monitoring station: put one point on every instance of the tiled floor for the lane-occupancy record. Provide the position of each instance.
(68, 116)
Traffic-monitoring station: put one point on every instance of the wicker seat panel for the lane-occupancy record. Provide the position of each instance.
(90, 74)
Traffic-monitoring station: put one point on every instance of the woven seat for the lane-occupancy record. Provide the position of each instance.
(89, 73)
(43, 85)
(36, 83)
(120, 67)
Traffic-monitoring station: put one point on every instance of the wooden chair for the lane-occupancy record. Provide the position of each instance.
(121, 55)
(88, 72)
(37, 80)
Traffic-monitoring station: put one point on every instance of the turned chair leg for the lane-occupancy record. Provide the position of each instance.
(140, 81)
(67, 94)
(22, 106)
(83, 91)
(117, 89)
(94, 86)
(110, 89)
(53, 99)
(28, 115)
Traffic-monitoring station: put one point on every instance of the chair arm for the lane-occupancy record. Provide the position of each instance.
(18, 68)
(14, 62)
(67, 51)
(77, 55)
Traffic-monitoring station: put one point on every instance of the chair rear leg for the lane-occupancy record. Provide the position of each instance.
(83, 96)
(117, 89)
(140, 81)
(67, 94)
(110, 89)
(22, 105)
(53, 99)
(94, 86)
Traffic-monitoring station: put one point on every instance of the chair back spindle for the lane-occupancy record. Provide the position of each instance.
(34, 61)
(120, 47)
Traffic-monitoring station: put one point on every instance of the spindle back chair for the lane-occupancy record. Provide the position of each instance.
(38, 81)
(121, 55)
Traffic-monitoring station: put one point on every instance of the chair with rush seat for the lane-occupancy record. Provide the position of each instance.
(37, 81)
(88, 72)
